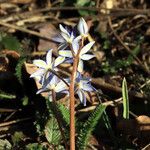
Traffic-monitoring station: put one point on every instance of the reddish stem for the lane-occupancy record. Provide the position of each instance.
(72, 107)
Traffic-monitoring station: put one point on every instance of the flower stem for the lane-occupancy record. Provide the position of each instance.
(72, 105)
(72, 98)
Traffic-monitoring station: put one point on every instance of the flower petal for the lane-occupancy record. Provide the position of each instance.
(54, 80)
(87, 47)
(82, 27)
(63, 46)
(69, 60)
(63, 30)
(65, 36)
(87, 87)
(42, 90)
(49, 57)
(38, 73)
(80, 66)
(40, 63)
(61, 86)
(80, 94)
(82, 97)
(47, 79)
(65, 53)
(58, 39)
(86, 56)
(75, 44)
(84, 100)
(59, 60)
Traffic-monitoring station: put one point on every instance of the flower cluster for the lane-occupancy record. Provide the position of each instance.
(71, 45)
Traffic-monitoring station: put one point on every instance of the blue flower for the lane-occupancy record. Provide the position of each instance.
(45, 67)
(82, 55)
(65, 38)
(55, 84)
(68, 36)
(83, 27)
(83, 85)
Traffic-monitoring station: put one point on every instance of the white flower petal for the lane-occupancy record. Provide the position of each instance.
(84, 100)
(65, 36)
(87, 87)
(40, 63)
(80, 95)
(80, 66)
(75, 45)
(54, 80)
(71, 36)
(86, 56)
(38, 73)
(60, 87)
(82, 27)
(62, 46)
(49, 57)
(65, 53)
(86, 48)
(63, 30)
(59, 60)
(58, 39)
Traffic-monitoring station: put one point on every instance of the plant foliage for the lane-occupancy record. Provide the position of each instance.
(9, 42)
(18, 69)
(87, 127)
(52, 132)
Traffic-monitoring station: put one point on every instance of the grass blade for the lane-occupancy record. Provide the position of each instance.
(125, 99)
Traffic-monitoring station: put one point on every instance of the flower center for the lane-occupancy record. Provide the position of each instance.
(53, 86)
(79, 85)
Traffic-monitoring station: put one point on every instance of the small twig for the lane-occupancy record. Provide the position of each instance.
(25, 30)
(126, 10)
(127, 48)
(143, 85)
(14, 122)
(115, 12)
(146, 147)
(133, 114)
(4, 110)
(108, 103)
(8, 117)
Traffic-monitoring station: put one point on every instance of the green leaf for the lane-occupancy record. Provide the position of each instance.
(52, 132)
(125, 99)
(4, 95)
(18, 69)
(35, 146)
(10, 42)
(25, 100)
(61, 110)
(5, 145)
(17, 137)
(85, 3)
(87, 127)
(135, 52)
